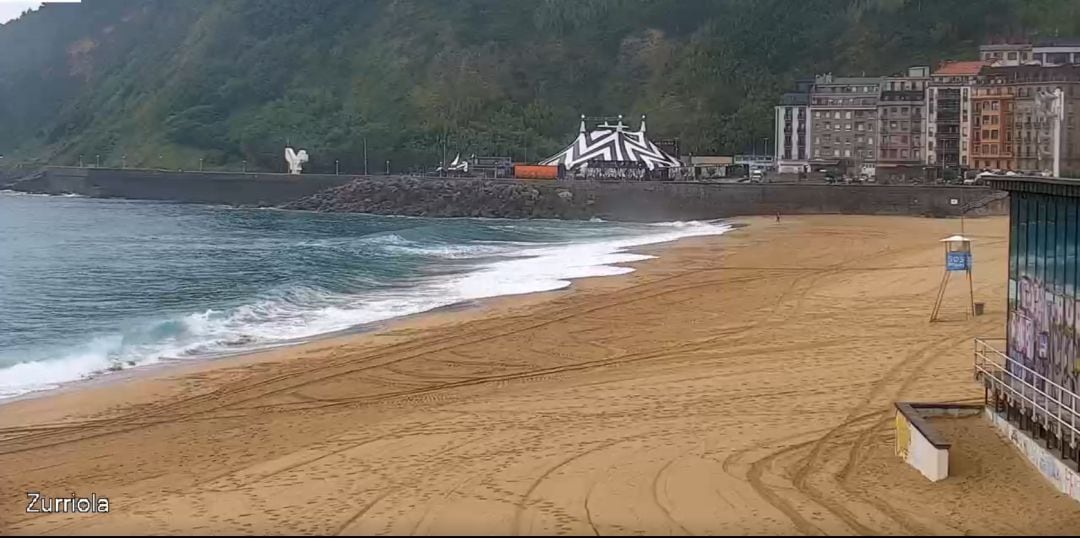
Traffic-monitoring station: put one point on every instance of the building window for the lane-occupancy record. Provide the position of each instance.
(836, 153)
(836, 115)
(817, 113)
(847, 115)
(847, 153)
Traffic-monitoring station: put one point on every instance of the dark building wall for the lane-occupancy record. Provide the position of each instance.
(640, 201)
(1043, 325)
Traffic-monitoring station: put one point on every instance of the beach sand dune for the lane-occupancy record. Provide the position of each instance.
(741, 384)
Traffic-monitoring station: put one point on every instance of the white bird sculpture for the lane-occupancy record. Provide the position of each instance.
(295, 159)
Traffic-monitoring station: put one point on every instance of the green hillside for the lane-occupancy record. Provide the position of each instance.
(167, 83)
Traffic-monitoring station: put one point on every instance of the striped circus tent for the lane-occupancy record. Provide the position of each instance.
(612, 143)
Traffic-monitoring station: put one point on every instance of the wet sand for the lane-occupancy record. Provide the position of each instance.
(741, 385)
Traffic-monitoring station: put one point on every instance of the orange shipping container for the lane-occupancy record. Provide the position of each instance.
(533, 171)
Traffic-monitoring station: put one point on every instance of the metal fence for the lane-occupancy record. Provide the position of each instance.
(1048, 403)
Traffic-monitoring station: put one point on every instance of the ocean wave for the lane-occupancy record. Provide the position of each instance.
(294, 312)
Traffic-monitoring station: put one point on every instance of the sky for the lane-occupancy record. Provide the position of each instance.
(11, 9)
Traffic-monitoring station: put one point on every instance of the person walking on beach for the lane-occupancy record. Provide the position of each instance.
(777, 216)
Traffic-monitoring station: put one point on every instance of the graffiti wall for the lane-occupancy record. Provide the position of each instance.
(1052, 468)
(1043, 275)
(1042, 332)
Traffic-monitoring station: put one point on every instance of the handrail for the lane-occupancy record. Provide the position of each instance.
(998, 369)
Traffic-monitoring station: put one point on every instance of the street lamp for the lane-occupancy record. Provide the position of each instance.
(80, 161)
(97, 161)
(123, 161)
(200, 163)
(337, 167)
(388, 167)
(365, 156)
(245, 166)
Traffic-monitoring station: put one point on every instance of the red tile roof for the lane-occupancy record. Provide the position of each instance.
(959, 68)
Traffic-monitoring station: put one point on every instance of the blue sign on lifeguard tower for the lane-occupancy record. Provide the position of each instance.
(957, 261)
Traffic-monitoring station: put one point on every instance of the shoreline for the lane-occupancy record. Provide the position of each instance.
(742, 385)
(172, 367)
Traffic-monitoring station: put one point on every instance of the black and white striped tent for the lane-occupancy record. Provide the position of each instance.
(612, 143)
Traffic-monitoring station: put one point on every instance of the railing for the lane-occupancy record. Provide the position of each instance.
(1055, 405)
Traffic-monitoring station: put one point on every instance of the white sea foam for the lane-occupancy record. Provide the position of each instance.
(298, 312)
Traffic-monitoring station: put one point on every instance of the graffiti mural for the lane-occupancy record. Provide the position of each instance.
(1042, 333)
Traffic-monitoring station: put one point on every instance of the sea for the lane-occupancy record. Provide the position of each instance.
(93, 286)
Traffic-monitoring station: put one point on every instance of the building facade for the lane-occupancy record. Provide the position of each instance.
(948, 114)
(992, 119)
(843, 122)
(1054, 52)
(1042, 353)
(901, 118)
(1006, 54)
(1026, 119)
(793, 146)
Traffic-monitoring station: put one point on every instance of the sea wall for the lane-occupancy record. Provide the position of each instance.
(197, 187)
(639, 201)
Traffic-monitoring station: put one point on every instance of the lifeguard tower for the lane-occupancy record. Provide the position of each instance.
(957, 258)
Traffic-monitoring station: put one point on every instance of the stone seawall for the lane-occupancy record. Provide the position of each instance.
(639, 201)
(229, 188)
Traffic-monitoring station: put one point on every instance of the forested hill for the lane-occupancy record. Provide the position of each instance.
(166, 83)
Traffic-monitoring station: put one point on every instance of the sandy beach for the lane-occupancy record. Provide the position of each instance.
(740, 384)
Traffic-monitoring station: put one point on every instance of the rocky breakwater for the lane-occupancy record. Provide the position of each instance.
(436, 197)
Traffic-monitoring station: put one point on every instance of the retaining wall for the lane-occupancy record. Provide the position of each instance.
(638, 201)
(1062, 476)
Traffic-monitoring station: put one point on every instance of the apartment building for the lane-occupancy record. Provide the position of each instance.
(1052, 52)
(901, 117)
(1007, 53)
(793, 144)
(948, 114)
(1025, 118)
(843, 122)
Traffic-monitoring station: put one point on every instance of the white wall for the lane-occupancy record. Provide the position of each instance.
(1053, 469)
(918, 452)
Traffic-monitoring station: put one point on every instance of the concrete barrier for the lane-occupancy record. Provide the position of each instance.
(919, 444)
(1060, 475)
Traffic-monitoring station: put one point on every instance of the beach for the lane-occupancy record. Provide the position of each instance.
(734, 384)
